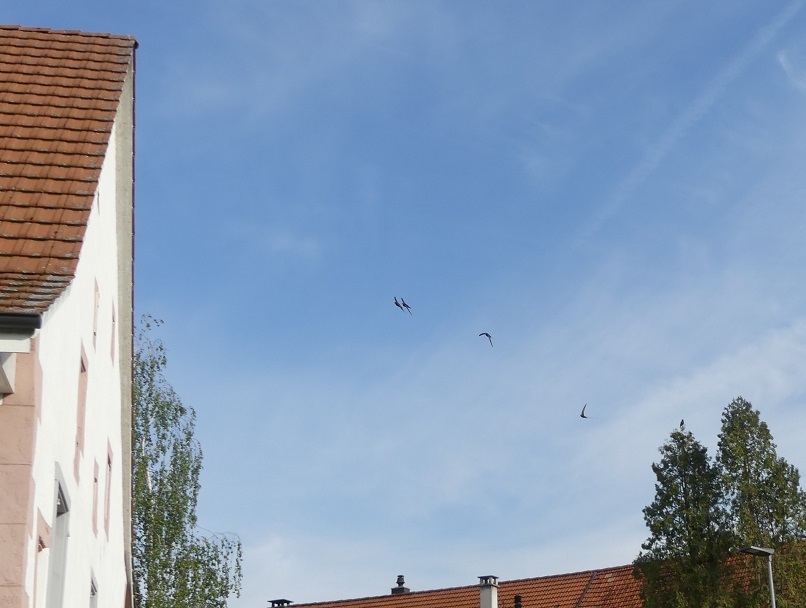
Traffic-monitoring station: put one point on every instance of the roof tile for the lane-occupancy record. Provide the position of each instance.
(59, 92)
(606, 588)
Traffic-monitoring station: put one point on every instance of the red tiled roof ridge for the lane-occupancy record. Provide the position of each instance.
(386, 595)
(577, 573)
(69, 33)
(447, 590)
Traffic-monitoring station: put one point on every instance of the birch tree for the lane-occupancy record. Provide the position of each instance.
(174, 563)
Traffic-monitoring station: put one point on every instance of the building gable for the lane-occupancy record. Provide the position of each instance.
(59, 92)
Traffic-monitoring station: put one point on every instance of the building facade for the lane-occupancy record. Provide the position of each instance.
(66, 282)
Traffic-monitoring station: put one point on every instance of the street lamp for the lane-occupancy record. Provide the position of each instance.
(761, 552)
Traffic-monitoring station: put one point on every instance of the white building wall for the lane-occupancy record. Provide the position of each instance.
(81, 321)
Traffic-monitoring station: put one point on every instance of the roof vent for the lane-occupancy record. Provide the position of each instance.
(279, 603)
(518, 601)
(400, 586)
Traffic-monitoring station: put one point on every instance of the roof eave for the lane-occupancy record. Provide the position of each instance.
(26, 323)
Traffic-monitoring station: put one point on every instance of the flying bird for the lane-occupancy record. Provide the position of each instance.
(398, 304)
(582, 415)
(406, 306)
(489, 337)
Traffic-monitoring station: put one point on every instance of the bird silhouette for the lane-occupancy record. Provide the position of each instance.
(682, 423)
(489, 337)
(398, 304)
(406, 306)
(582, 414)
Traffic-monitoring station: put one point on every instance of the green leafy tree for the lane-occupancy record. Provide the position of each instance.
(174, 563)
(767, 505)
(683, 561)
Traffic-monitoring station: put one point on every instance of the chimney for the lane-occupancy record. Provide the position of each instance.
(488, 586)
(400, 588)
(281, 603)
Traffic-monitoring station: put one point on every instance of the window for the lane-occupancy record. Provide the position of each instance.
(41, 564)
(58, 550)
(93, 593)
(95, 315)
(114, 334)
(81, 412)
(95, 498)
(107, 488)
(8, 364)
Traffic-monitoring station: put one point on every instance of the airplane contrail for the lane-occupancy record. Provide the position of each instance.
(693, 113)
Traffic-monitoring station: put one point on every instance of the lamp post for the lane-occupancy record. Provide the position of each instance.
(761, 552)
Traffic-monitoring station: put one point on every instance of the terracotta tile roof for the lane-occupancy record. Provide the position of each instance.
(606, 588)
(59, 91)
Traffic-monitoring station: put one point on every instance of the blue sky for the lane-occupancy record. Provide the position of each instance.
(614, 191)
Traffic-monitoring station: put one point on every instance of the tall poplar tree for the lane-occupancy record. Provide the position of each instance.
(683, 561)
(174, 563)
(767, 505)
(704, 511)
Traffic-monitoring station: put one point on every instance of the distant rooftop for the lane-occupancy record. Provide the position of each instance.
(605, 588)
